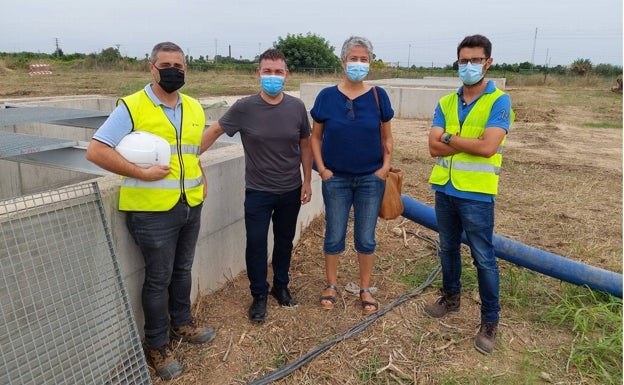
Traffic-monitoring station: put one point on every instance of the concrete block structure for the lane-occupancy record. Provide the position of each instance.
(410, 98)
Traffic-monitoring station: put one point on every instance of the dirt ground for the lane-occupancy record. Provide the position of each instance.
(560, 191)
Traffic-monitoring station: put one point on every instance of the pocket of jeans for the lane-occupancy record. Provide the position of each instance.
(380, 178)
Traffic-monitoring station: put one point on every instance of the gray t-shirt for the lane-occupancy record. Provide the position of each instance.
(270, 136)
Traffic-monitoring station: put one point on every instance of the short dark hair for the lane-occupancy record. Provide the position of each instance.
(165, 46)
(271, 54)
(475, 41)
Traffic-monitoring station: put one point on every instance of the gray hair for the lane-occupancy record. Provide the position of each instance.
(165, 46)
(356, 41)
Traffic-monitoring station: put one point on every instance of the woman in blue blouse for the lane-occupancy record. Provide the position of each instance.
(352, 148)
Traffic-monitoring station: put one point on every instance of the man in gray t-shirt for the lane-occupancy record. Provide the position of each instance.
(275, 132)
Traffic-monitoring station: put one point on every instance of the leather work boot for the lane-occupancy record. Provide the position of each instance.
(486, 337)
(257, 310)
(283, 297)
(447, 303)
(193, 334)
(166, 366)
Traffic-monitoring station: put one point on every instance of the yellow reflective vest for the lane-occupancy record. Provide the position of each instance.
(469, 172)
(184, 180)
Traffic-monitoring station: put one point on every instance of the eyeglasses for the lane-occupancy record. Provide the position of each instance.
(474, 60)
(350, 112)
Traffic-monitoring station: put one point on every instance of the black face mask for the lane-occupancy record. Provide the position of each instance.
(171, 79)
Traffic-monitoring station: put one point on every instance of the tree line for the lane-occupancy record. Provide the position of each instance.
(304, 53)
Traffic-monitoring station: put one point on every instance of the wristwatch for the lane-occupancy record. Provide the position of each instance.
(447, 138)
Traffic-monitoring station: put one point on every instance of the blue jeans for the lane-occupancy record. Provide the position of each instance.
(476, 219)
(260, 208)
(167, 241)
(364, 193)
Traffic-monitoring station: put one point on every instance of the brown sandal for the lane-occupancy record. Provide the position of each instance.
(365, 304)
(328, 298)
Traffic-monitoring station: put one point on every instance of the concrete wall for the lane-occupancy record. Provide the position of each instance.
(410, 98)
(220, 253)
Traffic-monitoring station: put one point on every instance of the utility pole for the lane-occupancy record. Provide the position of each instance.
(533, 54)
(409, 51)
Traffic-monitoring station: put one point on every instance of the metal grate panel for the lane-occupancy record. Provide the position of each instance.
(12, 144)
(65, 317)
(27, 114)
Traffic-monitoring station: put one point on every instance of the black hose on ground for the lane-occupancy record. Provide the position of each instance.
(287, 369)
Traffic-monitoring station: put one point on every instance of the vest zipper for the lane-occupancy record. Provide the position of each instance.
(179, 145)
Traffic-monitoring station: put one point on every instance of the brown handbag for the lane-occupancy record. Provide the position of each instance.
(391, 203)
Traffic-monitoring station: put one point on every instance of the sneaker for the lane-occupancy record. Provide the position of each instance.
(484, 340)
(447, 303)
(193, 334)
(166, 366)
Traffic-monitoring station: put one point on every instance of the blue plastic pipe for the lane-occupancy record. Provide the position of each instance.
(532, 258)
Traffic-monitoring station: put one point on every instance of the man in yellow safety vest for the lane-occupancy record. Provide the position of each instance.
(467, 139)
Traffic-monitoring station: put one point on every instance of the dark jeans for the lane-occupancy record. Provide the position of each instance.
(476, 219)
(167, 241)
(260, 208)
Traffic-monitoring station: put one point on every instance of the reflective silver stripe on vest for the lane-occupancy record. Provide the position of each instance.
(500, 149)
(186, 149)
(443, 162)
(477, 167)
(165, 184)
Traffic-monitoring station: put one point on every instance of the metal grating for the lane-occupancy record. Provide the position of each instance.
(12, 144)
(27, 114)
(65, 317)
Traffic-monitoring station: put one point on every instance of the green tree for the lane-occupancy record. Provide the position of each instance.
(57, 53)
(607, 69)
(308, 53)
(109, 55)
(581, 67)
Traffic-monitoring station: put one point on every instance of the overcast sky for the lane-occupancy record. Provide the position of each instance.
(545, 32)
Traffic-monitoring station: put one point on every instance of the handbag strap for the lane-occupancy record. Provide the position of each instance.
(380, 113)
(377, 99)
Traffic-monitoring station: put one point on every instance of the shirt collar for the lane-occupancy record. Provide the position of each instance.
(489, 88)
(150, 93)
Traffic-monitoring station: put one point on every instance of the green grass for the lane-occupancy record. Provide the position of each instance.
(603, 125)
(595, 318)
(368, 373)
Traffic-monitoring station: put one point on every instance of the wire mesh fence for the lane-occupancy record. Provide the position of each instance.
(65, 317)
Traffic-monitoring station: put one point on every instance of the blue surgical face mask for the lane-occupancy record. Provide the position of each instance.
(272, 84)
(471, 73)
(357, 71)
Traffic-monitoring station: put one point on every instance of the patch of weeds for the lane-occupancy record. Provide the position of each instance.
(602, 124)
(368, 372)
(514, 284)
(415, 274)
(595, 318)
(279, 360)
(131, 87)
(469, 274)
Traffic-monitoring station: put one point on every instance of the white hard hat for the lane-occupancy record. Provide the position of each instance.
(144, 149)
